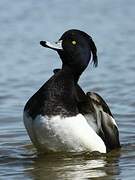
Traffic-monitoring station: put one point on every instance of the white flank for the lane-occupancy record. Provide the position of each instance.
(71, 134)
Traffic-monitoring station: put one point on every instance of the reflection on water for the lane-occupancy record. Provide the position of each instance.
(74, 168)
(70, 168)
(63, 166)
(25, 66)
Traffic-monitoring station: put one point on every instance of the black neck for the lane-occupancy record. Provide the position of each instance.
(72, 71)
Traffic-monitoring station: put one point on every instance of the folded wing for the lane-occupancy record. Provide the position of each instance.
(99, 117)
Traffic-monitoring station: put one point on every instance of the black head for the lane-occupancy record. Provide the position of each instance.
(75, 48)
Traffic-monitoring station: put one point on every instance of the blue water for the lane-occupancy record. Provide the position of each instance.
(25, 66)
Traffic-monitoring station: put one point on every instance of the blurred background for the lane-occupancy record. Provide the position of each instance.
(25, 66)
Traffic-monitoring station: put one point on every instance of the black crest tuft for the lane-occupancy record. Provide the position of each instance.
(93, 48)
(94, 52)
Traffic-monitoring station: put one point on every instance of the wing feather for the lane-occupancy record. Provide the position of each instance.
(100, 117)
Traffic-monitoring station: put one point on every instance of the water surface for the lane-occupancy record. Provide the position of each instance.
(25, 66)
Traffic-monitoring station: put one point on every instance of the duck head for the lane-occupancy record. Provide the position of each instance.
(75, 48)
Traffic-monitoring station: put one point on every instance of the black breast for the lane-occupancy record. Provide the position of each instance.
(55, 97)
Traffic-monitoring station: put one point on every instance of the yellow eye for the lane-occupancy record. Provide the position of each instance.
(74, 42)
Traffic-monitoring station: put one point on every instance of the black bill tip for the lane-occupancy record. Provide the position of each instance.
(43, 43)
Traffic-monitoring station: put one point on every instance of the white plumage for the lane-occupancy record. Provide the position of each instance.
(70, 134)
